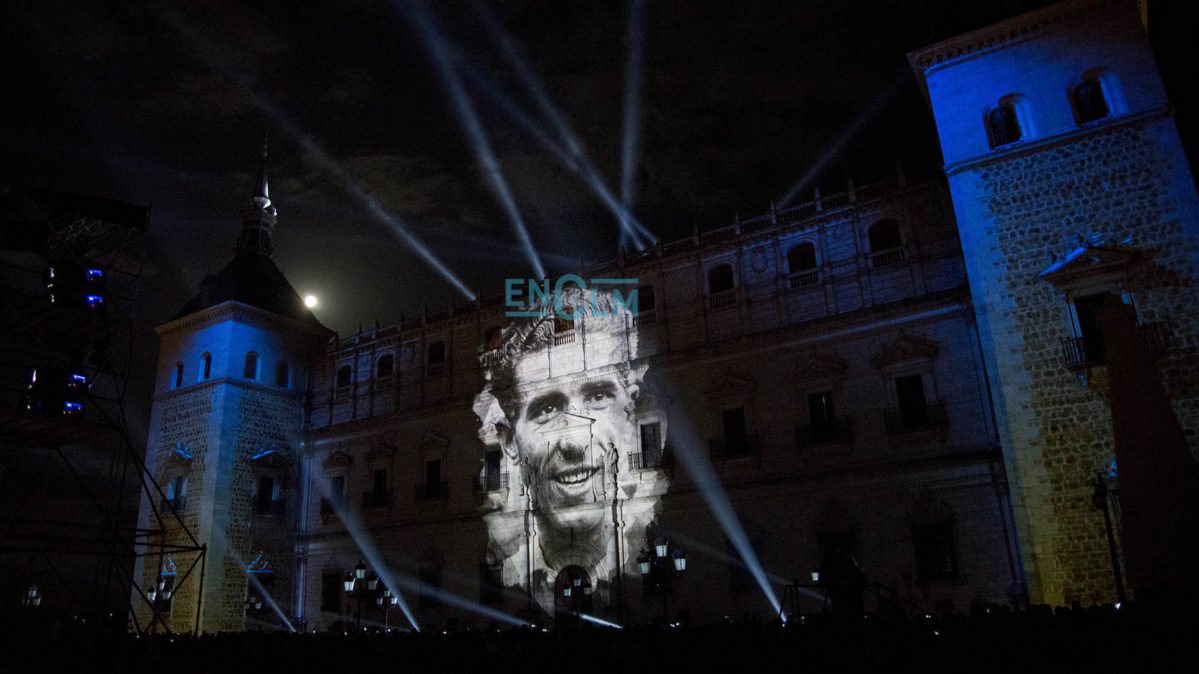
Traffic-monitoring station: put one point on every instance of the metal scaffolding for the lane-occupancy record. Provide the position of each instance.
(72, 479)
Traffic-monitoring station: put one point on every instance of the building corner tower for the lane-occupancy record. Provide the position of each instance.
(225, 428)
(1070, 186)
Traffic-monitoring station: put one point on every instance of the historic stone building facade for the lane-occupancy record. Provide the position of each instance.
(233, 370)
(824, 358)
(864, 372)
(1070, 184)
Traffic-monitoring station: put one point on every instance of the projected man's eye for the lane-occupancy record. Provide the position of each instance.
(545, 408)
(599, 396)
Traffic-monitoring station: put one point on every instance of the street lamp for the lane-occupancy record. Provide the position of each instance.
(32, 598)
(660, 568)
(356, 591)
(387, 601)
(815, 573)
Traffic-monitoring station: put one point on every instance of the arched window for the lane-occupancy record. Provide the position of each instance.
(251, 369)
(177, 377)
(282, 375)
(1010, 121)
(344, 376)
(437, 353)
(884, 235)
(385, 366)
(801, 258)
(205, 366)
(493, 338)
(720, 279)
(564, 324)
(1089, 103)
(645, 299)
(1003, 125)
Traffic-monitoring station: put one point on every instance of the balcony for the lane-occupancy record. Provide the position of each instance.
(722, 299)
(276, 508)
(803, 278)
(645, 460)
(376, 499)
(886, 258)
(732, 448)
(644, 318)
(1085, 352)
(831, 432)
(490, 482)
(916, 419)
(437, 369)
(567, 337)
(173, 505)
(432, 491)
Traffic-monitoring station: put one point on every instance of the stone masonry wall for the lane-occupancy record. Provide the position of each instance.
(184, 420)
(264, 418)
(1123, 183)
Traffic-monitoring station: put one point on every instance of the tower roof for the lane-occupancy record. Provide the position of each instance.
(251, 277)
(253, 280)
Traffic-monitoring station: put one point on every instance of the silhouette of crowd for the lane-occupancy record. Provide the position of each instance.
(994, 639)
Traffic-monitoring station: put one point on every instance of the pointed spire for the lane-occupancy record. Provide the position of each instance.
(261, 189)
(258, 218)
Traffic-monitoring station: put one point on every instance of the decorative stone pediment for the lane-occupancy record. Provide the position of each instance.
(904, 349)
(433, 441)
(181, 455)
(567, 424)
(731, 385)
(380, 452)
(270, 457)
(928, 508)
(1091, 261)
(337, 459)
(821, 367)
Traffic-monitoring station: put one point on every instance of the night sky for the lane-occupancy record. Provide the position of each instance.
(167, 107)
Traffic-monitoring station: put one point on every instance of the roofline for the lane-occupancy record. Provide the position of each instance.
(235, 310)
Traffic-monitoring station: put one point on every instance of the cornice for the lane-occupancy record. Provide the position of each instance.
(1007, 33)
(1027, 147)
(241, 313)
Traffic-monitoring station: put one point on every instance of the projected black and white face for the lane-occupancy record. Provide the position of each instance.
(569, 439)
(562, 402)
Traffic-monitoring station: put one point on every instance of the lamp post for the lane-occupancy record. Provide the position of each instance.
(32, 598)
(158, 594)
(353, 584)
(387, 601)
(660, 567)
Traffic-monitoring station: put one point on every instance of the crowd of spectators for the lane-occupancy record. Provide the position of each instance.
(995, 639)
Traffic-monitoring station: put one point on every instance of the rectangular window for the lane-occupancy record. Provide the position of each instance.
(1090, 328)
(430, 580)
(331, 584)
(491, 584)
(936, 556)
(913, 406)
(379, 485)
(491, 462)
(732, 423)
(337, 487)
(820, 410)
(433, 474)
(651, 438)
(266, 493)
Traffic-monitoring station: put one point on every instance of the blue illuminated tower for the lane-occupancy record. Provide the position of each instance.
(1070, 186)
(233, 372)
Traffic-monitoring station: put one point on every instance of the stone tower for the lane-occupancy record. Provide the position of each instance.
(1070, 186)
(233, 376)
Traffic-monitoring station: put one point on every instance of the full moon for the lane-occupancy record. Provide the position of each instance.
(310, 301)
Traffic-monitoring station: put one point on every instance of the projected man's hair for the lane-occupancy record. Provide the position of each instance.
(529, 335)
